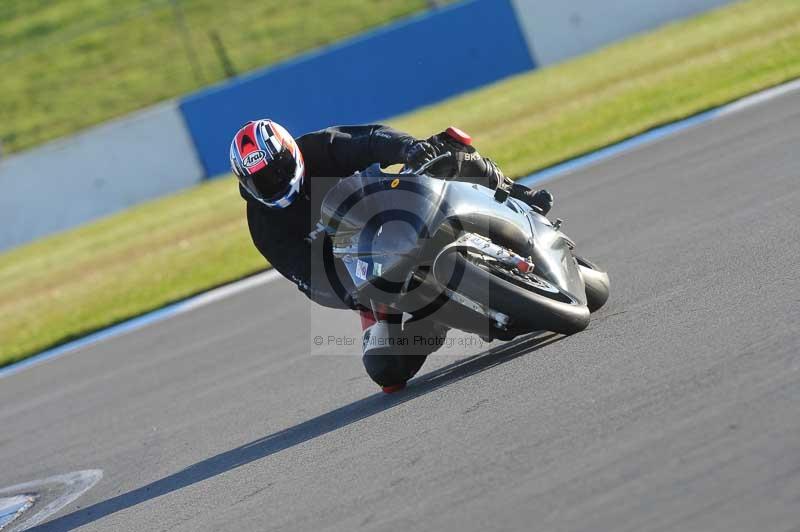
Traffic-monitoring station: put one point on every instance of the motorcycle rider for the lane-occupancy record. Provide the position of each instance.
(277, 175)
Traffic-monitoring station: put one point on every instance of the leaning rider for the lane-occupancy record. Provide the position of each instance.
(276, 173)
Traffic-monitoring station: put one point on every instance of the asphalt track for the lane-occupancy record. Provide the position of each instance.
(678, 409)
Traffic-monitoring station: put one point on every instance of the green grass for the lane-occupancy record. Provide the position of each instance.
(68, 64)
(82, 280)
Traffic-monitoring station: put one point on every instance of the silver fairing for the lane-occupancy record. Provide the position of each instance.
(392, 220)
(553, 257)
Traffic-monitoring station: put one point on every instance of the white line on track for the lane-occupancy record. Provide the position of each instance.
(758, 98)
(224, 292)
(73, 485)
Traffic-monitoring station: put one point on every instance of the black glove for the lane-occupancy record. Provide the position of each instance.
(466, 162)
(419, 153)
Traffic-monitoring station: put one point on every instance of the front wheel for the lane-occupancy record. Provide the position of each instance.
(531, 302)
(596, 282)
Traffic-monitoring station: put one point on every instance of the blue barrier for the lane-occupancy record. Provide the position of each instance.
(379, 74)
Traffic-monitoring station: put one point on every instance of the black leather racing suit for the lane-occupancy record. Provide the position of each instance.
(330, 154)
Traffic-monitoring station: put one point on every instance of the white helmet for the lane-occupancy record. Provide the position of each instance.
(268, 163)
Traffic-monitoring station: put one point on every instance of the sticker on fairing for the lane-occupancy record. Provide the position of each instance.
(361, 269)
(377, 269)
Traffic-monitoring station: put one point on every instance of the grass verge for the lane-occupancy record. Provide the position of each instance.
(68, 65)
(70, 284)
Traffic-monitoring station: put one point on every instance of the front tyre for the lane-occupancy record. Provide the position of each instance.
(596, 282)
(531, 302)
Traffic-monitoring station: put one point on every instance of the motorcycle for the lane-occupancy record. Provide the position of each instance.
(468, 257)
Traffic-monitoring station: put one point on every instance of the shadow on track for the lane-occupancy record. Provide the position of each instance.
(308, 430)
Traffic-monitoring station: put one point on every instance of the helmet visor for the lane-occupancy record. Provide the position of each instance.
(274, 180)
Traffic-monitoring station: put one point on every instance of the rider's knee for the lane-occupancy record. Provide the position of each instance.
(389, 369)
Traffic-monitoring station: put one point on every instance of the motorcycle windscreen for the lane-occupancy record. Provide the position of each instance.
(379, 223)
(553, 258)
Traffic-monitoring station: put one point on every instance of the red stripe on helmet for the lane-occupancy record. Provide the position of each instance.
(245, 131)
(246, 144)
(250, 138)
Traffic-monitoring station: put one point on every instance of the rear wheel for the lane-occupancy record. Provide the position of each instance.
(532, 303)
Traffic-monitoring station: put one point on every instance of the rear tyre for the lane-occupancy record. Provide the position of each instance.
(532, 303)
